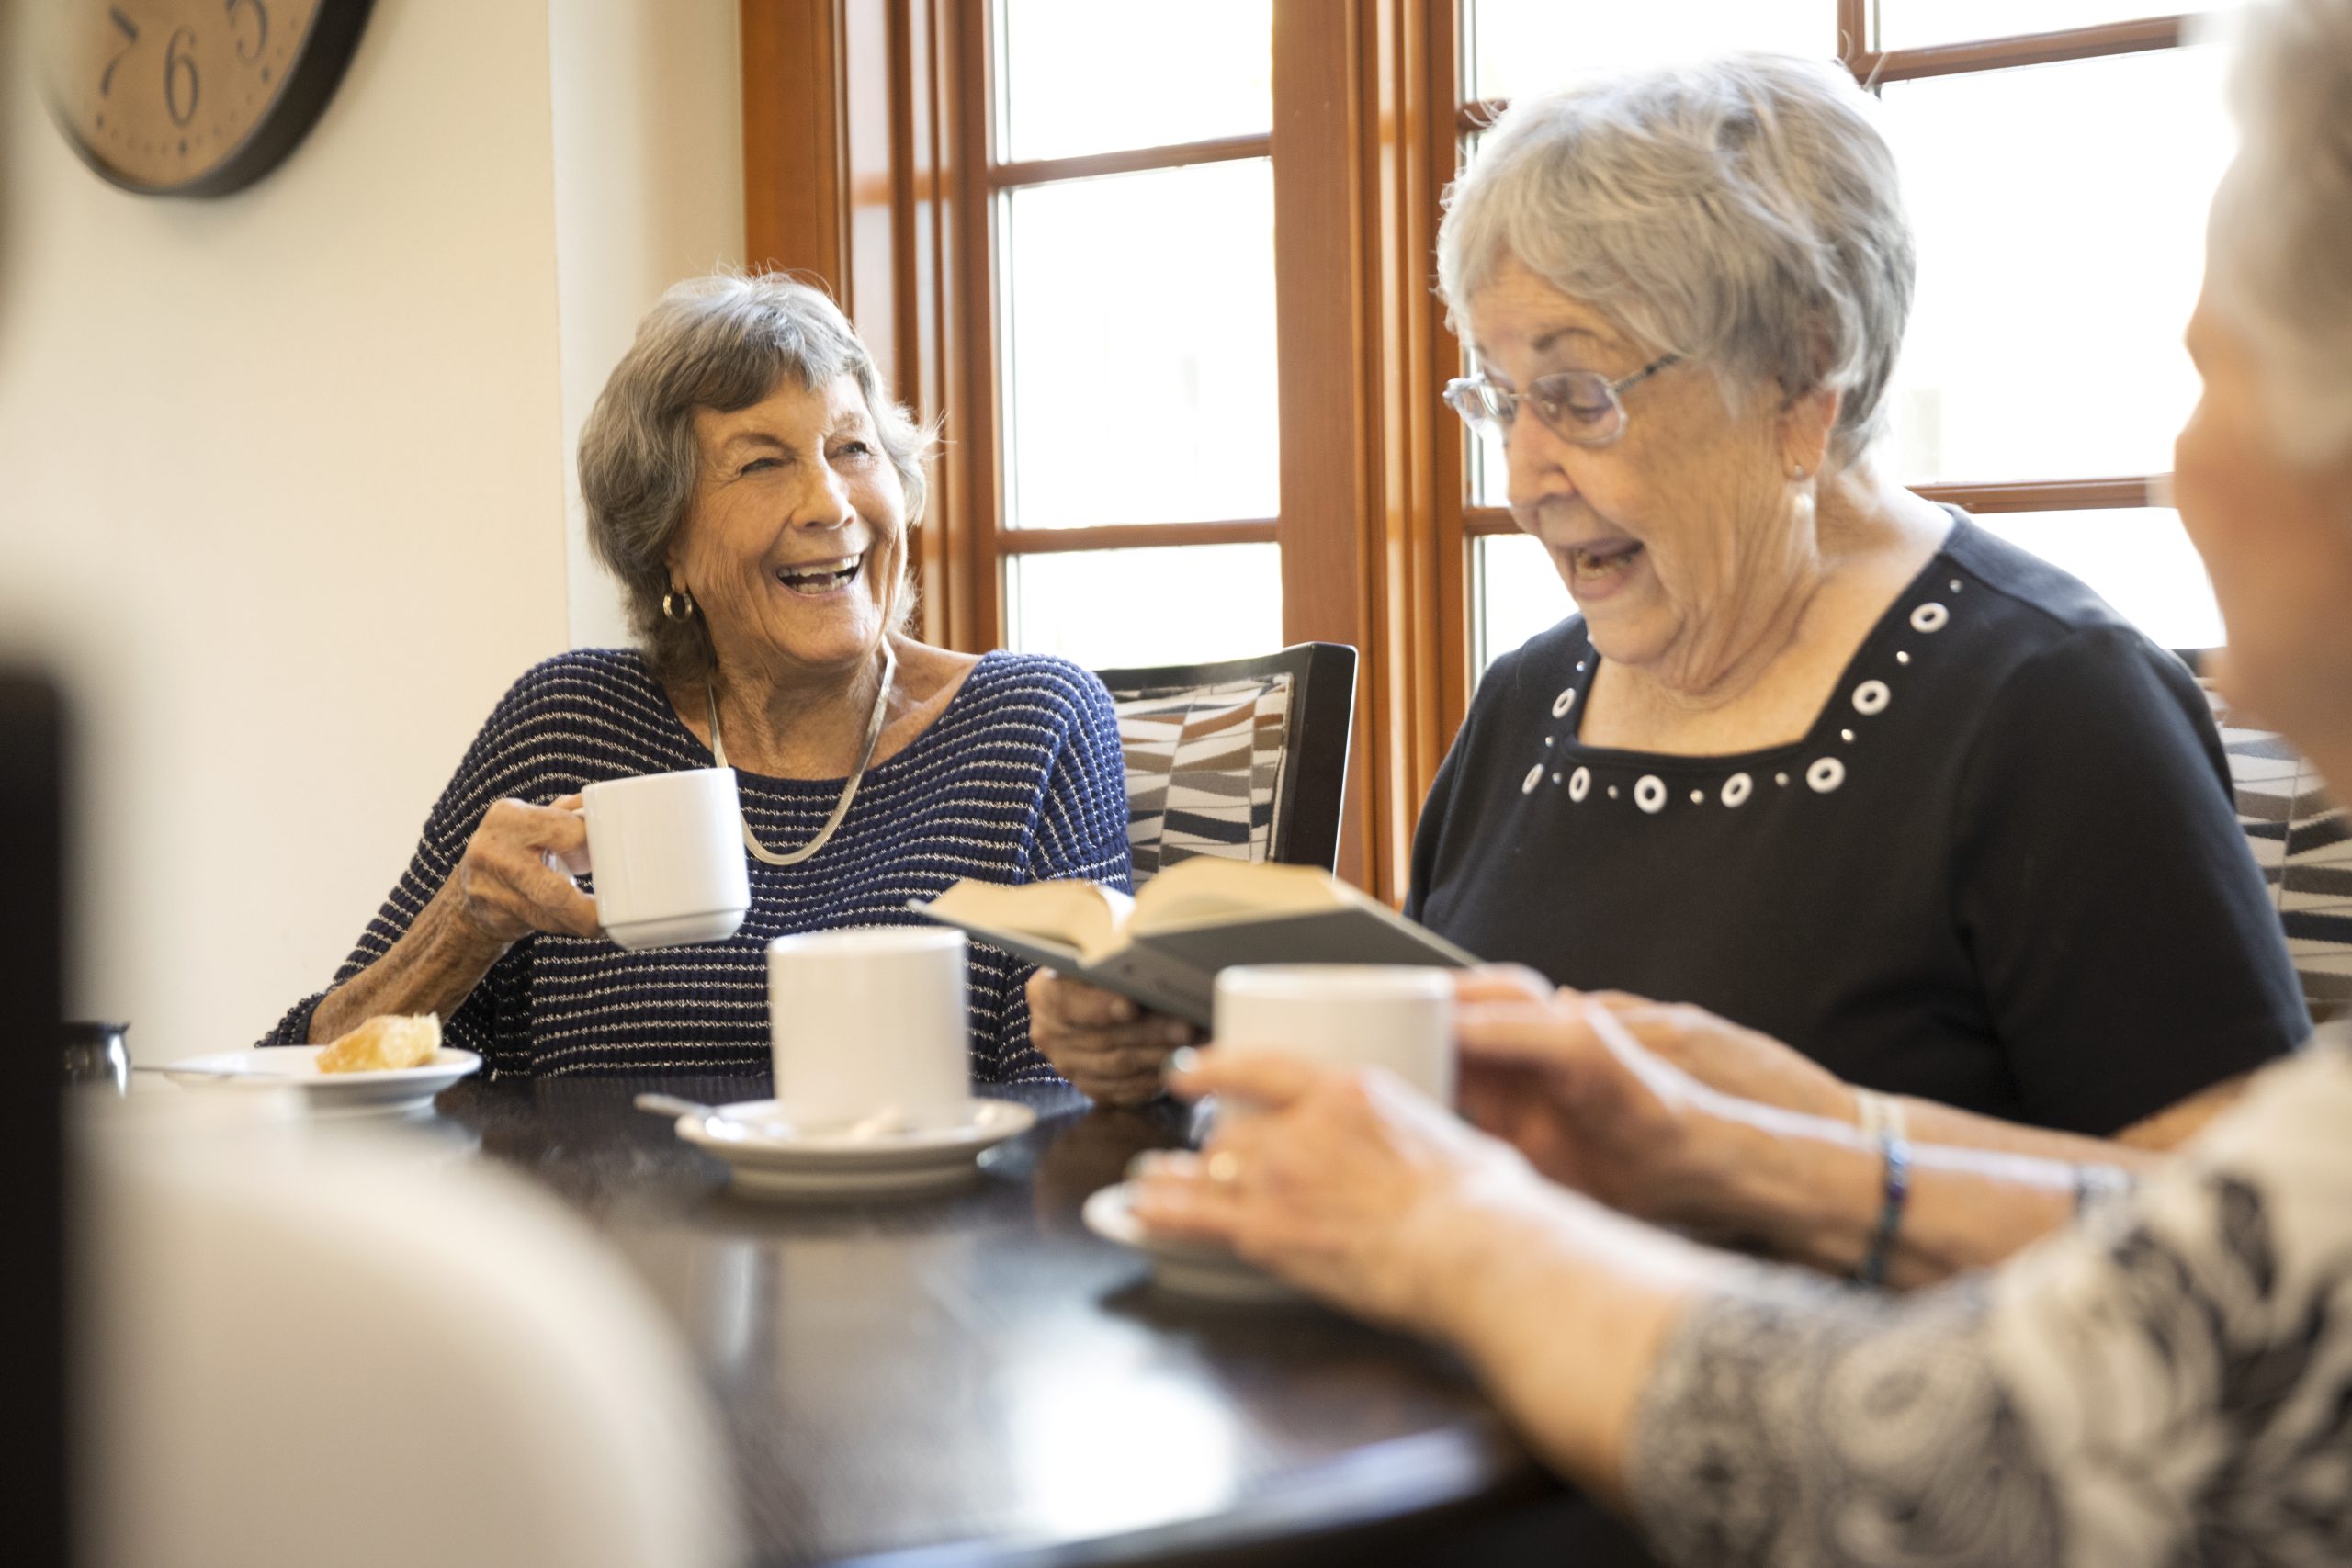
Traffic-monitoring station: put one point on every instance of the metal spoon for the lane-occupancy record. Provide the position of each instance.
(713, 1118)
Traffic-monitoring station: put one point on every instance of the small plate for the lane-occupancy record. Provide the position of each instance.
(297, 1066)
(1188, 1268)
(765, 1160)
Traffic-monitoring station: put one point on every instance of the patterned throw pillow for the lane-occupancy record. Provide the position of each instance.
(1204, 769)
(2303, 843)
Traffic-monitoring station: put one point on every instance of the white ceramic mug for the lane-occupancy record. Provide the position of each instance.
(1399, 1017)
(870, 1026)
(667, 851)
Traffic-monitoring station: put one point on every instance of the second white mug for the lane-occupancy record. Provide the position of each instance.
(871, 1024)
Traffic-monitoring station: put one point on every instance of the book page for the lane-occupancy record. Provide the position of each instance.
(1207, 890)
(1083, 915)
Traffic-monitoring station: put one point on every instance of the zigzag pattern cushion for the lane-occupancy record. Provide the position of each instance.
(1204, 769)
(2303, 843)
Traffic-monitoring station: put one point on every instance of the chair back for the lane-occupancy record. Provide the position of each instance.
(33, 1351)
(2302, 840)
(1246, 759)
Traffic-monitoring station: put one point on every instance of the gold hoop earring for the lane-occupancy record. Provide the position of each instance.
(678, 607)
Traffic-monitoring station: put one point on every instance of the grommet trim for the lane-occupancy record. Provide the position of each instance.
(1825, 774)
(1649, 793)
(1871, 698)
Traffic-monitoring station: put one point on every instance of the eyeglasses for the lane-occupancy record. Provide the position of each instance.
(1580, 406)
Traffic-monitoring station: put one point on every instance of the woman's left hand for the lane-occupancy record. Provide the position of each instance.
(1340, 1182)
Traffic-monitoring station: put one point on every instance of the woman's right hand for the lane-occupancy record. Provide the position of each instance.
(1109, 1047)
(503, 889)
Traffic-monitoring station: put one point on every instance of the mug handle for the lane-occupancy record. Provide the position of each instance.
(574, 865)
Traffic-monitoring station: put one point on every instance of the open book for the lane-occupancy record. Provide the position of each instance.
(1164, 946)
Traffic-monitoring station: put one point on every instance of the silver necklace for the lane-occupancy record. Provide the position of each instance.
(849, 792)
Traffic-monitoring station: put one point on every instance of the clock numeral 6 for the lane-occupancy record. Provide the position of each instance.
(180, 68)
(261, 26)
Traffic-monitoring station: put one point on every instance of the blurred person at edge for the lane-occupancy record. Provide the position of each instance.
(2167, 1379)
(750, 483)
(1816, 754)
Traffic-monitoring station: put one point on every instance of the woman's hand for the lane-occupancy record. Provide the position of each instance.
(1352, 1186)
(1564, 1082)
(1108, 1046)
(1344, 1182)
(499, 891)
(1723, 1056)
(503, 888)
(1592, 1091)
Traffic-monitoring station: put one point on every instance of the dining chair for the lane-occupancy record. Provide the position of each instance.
(2302, 840)
(33, 1349)
(1244, 758)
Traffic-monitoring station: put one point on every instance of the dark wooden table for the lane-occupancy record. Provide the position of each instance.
(977, 1378)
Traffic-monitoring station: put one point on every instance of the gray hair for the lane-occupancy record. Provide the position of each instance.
(721, 342)
(1742, 213)
(2280, 238)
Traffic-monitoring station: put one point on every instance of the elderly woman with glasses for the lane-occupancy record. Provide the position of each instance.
(1813, 753)
(2169, 1381)
(753, 486)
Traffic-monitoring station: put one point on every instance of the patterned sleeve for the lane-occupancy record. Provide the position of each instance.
(1080, 831)
(2170, 1382)
(495, 767)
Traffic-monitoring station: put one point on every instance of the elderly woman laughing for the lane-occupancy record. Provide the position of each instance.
(751, 485)
(1815, 754)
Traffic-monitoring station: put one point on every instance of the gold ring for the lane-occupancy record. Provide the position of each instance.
(1225, 1167)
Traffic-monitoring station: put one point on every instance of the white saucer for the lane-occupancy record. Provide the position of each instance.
(297, 1066)
(765, 1159)
(1188, 1268)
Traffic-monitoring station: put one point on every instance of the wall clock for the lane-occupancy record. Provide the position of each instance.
(193, 97)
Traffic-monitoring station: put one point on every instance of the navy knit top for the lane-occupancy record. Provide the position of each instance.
(1019, 779)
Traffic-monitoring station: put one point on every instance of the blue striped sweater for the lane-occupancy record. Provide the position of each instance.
(1019, 779)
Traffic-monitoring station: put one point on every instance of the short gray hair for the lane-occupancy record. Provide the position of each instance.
(2280, 240)
(1742, 213)
(721, 342)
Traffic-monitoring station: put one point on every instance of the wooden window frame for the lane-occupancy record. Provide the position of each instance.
(868, 135)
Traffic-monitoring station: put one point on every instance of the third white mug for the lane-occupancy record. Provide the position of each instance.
(1365, 1015)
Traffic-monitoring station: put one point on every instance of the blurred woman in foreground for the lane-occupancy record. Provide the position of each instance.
(2169, 1380)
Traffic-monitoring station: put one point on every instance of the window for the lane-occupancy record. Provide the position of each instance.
(1161, 272)
(1136, 435)
(2057, 183)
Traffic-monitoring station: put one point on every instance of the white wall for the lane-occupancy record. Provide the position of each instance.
(649, 188)
(282, 487)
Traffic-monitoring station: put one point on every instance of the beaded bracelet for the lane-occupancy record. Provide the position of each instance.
(1876, 1114)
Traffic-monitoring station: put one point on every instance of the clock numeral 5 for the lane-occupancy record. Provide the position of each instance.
(129, 37)
(177, 68)
(261, 26)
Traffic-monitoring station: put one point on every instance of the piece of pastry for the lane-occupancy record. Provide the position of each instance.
(385, 1042)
